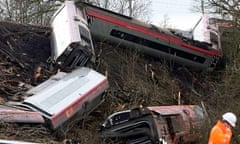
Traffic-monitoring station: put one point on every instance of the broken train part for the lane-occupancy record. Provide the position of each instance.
(156, 124)
(18, 115)
(71, 38)
(59, 98)
(67, 94)
(4, 141)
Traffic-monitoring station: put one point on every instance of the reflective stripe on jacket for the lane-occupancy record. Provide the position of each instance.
(220, 134)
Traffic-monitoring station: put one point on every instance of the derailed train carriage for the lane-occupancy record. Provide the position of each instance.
(176, 124)
(160, 43)
(73, 90)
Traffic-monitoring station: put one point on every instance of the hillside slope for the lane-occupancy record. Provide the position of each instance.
(134, 79)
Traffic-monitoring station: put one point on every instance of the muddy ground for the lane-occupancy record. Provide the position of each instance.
(134, 80)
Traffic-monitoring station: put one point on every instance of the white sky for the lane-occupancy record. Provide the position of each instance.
(178, 11)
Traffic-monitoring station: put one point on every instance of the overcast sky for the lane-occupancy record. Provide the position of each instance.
(178, 11)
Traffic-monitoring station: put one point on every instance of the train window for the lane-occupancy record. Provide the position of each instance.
(156, 46)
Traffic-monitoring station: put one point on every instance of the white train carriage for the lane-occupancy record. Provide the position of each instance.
(67, 94)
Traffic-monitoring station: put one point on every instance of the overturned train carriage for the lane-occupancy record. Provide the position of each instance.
(155, 125)
(60, 100)
(66, 95)
(112, 27)
(71, 38)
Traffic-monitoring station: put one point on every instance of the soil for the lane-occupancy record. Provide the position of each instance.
(135, 80)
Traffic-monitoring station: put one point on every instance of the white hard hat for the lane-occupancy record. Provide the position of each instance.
(230, 118)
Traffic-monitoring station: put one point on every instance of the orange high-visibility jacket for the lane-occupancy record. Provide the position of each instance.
(220, 134)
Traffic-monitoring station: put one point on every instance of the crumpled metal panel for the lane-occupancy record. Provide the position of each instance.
(9, 114)
(158, 124)
(2, 141)
(64, 95)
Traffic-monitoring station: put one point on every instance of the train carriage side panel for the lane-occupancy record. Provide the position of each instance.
(122, 30)
(152, 46)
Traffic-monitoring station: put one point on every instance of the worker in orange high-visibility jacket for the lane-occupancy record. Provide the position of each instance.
(221, 133)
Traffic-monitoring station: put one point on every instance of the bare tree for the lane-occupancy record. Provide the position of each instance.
(27, 11)
(227, 9)
(165, 23)
(40, 11)
(134, 8)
